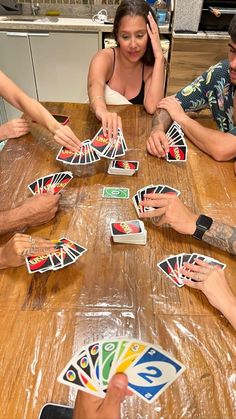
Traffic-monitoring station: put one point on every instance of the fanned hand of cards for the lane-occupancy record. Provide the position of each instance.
(177, 146)
(54, 182)
(130, 232)
(123, 167)
(172, 265)
(108, 148)
(85, 156)
(150, 369)
(67, 254)
(158, 189)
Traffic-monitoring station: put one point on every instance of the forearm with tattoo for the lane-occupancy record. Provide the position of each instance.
(222, 236)
(161, 119)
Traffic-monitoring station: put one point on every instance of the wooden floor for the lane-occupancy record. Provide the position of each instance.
(114, 290)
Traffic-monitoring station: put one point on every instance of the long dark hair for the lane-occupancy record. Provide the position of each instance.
(135, 8)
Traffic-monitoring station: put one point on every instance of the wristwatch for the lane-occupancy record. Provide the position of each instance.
(203, 224)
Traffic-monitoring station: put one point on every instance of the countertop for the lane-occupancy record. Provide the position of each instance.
(202, 35)
(68, 24)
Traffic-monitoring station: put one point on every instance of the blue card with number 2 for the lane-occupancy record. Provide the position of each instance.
(152, 372)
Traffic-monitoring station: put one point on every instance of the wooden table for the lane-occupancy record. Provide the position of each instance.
(114, 290)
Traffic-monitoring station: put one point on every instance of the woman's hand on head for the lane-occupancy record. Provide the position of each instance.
(153, 33)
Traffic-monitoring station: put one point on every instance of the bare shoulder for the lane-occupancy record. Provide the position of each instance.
(104, 56)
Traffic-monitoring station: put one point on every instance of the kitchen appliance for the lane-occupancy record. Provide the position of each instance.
(10, 7)
(216, 15)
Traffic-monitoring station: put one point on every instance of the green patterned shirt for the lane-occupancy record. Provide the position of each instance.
(213, 90)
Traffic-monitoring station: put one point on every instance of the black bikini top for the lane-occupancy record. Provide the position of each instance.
(137, 100)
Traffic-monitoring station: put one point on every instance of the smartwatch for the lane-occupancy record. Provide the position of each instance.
(203, 224)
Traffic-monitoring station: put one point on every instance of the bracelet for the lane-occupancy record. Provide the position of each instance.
(95, 98)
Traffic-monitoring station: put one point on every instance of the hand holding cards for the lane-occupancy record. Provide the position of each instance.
(130, 232)
(85, 156)
(172, 265)
(67, 253)
(54, 182)
(150, 369)
(177, 146)
(107, 147)
(150, 189)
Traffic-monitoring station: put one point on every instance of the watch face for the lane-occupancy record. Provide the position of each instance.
(204, 221)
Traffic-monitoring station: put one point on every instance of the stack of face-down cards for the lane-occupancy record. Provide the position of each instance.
(86, 155)
(123, 167)
(150, 189)
(150, 369)
(54, 182)
(130, 232)
(172, 265)
(177, 146)
(107, 147)
(67, 253)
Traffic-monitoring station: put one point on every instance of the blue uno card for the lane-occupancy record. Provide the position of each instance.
(152, 372)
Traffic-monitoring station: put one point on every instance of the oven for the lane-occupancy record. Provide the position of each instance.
(216, 15)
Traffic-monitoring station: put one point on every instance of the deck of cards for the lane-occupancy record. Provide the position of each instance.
(150, 189)
(123, 167)
(150, 369)
(172, 265)
(85, 156)
(67, 253)
(129, 232)
(54, 182)
(107, 147)
(177, 146)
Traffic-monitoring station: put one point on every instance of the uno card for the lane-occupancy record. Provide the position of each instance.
(65, 155)
(126, 227)
(106, 357)
(117, 193)
(152, 372)
(38, 263)
(125, 165)
(131, 352)
(99, 142)
(74, 378)
(177, 153)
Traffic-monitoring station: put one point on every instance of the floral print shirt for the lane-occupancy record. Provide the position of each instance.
(213, 90)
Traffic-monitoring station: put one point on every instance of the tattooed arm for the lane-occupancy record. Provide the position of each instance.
(157, 143)
(222, 236)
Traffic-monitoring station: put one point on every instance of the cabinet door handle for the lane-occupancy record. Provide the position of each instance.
(38, 34)
(23, 34)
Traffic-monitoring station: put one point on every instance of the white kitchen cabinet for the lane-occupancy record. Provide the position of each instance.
(48, 66)
(16, 62)
(61, 62)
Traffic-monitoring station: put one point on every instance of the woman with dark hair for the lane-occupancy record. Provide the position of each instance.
(131, 73)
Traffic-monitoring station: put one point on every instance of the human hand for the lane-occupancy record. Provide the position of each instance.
(39, 209)
(91, 407)
(153, 33)
(110, 122)
(171, 210)
(14, 128)
(157, 143)
(20, 246)
(174, 108)
(212, 282)
(64, 136)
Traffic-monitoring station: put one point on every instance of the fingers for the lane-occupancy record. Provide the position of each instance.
(157, 144)
(116, 392)
(65, 137)
(110, 124)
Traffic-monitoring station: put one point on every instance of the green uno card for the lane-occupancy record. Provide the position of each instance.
(118, 193)
(107, 355)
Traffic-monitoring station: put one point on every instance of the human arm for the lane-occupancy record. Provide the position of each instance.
(16, 97)
(171, 210)
(157, 143)
(219, 145)
(154, 85)
(213, 283)
(99, 72)
(20, 246)
(92, 407)
(34, 211)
